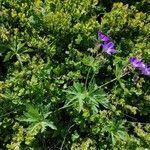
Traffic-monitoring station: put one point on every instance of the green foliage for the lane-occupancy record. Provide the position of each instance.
(58, 90)
(37, 119)
(78, 96)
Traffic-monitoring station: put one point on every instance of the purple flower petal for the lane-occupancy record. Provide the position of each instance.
(109, 48)
(110, 45)
(146, 71)
(103, 37)
(137, 63)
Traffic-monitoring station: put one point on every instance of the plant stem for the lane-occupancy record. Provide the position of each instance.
(112, 80)
(66, 136)
(66, 106)
(87, 78)
(98, 54)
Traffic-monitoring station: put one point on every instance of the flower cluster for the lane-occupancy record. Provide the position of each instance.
(107, 45)
(139, 64)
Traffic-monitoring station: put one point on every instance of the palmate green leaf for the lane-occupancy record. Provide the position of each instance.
(76, 95)
(116, 130)
(37, 119)
(32, 114)
(79, 96)
(97, 96)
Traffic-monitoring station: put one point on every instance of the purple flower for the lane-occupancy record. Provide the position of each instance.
(109, 48)
(137, 63)
(107, 45)
(103, 37)
(146, 71)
